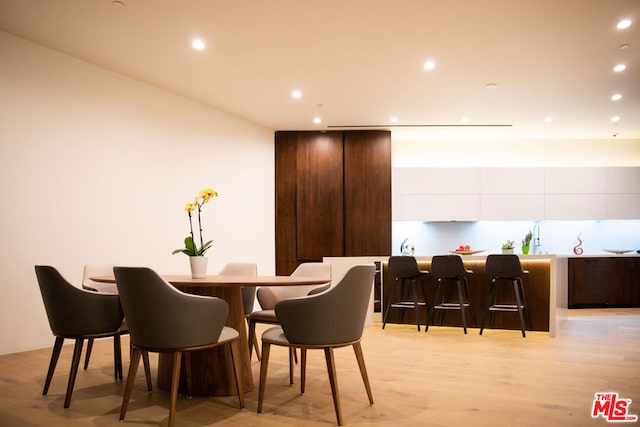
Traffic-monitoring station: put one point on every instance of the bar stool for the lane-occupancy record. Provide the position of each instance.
(506, 269)
(405, 269)
(449, 269)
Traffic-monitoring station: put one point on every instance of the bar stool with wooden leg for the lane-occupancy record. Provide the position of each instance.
(405, 269)
(506, 269)
(449, 270)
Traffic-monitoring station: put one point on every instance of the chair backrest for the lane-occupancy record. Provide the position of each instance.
(503, 266)
(160, 317)
(72, 311)
(332, 317)
(248, 292)
(92, 270)
(404, 267)
(447, 266)
(269, 296)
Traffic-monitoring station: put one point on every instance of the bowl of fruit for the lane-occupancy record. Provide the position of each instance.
(466, 250)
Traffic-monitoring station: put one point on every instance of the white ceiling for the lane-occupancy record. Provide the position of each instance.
(358, 62)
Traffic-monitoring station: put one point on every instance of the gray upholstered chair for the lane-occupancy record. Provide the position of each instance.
(248, 292)
(269, 296)
(506, 270)
(77, 314)
(450, 270)
(327, 320)
(163, 319)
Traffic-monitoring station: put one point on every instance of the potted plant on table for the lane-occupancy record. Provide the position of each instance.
(197, 259)
(507, 247)
(526, 242)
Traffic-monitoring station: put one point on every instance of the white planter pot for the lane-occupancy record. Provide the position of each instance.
(198, 266)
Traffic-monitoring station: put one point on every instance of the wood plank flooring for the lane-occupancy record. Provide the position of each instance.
(439, 378)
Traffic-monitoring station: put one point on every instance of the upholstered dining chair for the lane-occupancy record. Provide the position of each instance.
(269, 296)
(326, 321)
(77, 314)
(163, 319)
(248, 292)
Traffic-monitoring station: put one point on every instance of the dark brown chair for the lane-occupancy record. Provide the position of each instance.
(449, 270)
(404, 269)
(77, 314)
(326, 321)
(163, 319)
(506, 270)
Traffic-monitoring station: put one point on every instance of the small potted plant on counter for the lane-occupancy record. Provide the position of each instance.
(507, 248)
(526, 242)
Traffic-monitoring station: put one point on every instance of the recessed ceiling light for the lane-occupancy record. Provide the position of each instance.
(117, 3)
(625, 23)
(624, 46)
(619, 67)
(317, 120)
(615, 119)
(296, 94)
(464, 119)
(491, 85)
(393, 119)
(429, 65)
(548, 119)
(198, 44)
(616, 97)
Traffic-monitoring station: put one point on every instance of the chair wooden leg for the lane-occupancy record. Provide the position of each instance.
(175, 382)
(303, 369)
(357, 348)
(147, 369)
(333, 380)
(394, 286)
(461, 302)
(75, 363)
(187, 369)
(519, 306)
(253, 340)
(291, 351)
(57, 347)
(131, 378)
(87, 355)
(117, 357)
(237, 371)
(266, 347)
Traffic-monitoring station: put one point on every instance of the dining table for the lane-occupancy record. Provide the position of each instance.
(212, 371)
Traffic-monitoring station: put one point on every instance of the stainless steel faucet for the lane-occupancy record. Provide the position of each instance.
(536, 238)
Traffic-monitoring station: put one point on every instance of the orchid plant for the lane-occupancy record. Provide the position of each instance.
(190, 245)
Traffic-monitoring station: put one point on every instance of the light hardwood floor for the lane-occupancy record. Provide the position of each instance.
(439, 378)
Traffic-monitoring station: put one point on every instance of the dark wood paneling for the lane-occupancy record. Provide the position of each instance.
(624, 282)
(367, 189)
(319, 196)
(285, 201)
(587, 281)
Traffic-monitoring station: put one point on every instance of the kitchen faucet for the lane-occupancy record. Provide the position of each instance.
(536, 238)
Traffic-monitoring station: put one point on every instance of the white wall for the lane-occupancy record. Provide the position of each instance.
(96, 168)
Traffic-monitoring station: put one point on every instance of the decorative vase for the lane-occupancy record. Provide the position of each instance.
(525, 249)
(507, 251)
(198, 266)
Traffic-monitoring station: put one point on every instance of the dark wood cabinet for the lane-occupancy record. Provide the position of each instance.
(333, 195)
(604, 282)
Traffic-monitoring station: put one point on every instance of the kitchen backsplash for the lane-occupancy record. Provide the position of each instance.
(557, 237)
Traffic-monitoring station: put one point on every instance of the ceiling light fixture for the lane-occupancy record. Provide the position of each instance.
(117, 3)
(625, 23)
(296, 94)
(198, 44)
(465, 119)
(429, 65)
(624, 46)
(393, 119)
(615, 119)
(620, 67)
(491, 85)
(548, 119)
(317, 120)
(616, 97)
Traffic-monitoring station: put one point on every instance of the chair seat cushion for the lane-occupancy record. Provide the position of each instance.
(275, 336)
(265, 316)
(228, 334)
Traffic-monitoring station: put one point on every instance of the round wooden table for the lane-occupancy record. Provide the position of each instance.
(212, 369)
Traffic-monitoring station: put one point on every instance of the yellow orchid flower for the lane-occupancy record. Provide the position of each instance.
(206, 195)
(191, 247)
(190, 207)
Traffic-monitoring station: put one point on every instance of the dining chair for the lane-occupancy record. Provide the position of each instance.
(269, 296)
(94, 270)
(248, 292)
(328, 320)
(162, 319)
(77, 314)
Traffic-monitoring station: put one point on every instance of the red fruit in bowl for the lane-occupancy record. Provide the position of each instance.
(467, 248)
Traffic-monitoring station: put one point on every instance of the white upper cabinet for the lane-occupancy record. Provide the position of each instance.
(575, 180)
(512, 181)
(623, 180)
(436, 180)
